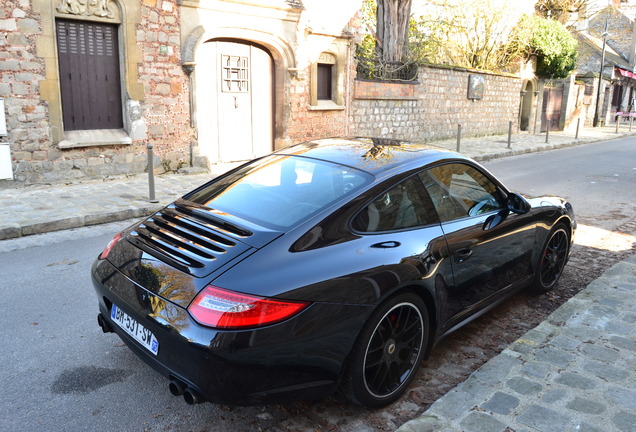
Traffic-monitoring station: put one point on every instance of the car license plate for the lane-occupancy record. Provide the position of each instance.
(138, 332)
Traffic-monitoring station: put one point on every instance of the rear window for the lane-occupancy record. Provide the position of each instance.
(281, 191)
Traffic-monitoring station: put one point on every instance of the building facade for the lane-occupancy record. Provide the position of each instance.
(87, 84)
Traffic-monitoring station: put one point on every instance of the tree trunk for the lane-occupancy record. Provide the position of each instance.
(393, 29)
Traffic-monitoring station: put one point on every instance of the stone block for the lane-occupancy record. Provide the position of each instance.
(624, 421)
(575, 380)
(24, 76)
(21, 155)
(28, 25)
(586, 406)
(60, 224)
(545, 419)
(9, 65)
(479, 421)
(524, 386)
(501, 403)
(8, 24)
(20, 88)
(163, 89)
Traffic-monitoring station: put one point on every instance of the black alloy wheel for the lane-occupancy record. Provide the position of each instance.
(553, 258)
(388, 353)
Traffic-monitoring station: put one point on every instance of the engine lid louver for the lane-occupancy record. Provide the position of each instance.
(190, 239)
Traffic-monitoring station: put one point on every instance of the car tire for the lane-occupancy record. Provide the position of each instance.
(554, 255)
(388, 351)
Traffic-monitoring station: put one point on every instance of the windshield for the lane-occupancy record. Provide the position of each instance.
(280, 191)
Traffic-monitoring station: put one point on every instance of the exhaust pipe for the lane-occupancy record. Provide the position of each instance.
(103, 324)
(176, 387)
(192, 397)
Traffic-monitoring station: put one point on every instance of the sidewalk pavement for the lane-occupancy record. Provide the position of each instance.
(44, 208)
(573, 372)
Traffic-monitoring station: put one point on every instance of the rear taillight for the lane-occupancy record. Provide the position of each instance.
(220, 308)
(110, 246)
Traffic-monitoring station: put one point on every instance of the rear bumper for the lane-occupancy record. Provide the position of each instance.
(301, 358)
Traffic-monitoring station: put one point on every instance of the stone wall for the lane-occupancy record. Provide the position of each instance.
(166, 86)
(20, 73)
(432, 108)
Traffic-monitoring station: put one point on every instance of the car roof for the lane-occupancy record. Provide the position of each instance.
(378, 156)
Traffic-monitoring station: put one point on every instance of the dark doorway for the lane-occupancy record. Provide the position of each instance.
(88, 56)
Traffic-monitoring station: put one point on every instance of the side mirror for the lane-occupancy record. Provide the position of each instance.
(517, 204)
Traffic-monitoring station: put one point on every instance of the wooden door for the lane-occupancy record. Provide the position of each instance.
(90, 86)
(234, 101)
(551, 109)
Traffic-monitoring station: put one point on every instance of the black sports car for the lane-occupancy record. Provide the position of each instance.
(333, 264)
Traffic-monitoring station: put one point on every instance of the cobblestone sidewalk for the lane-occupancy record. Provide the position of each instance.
(574, 372)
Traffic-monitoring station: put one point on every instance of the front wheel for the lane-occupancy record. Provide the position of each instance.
(388, 352)
(554, 255)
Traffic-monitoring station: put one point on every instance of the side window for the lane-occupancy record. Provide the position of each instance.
(398, 208)
(459, 191)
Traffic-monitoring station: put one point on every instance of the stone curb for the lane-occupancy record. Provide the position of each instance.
(540, 147)
(14, 230)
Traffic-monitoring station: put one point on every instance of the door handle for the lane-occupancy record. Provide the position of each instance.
(463, 254)
(235, 102)
(386, 245)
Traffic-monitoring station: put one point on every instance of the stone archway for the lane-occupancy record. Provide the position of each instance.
(527, 99)
(283, 68)
(234, 100)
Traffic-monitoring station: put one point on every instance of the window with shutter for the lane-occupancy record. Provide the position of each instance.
(88, 58)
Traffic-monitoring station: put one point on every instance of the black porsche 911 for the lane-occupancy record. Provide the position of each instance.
(333, 264)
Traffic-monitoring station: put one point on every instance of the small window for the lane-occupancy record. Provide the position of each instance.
(326, 86)
(459, 191)
(399, 208)
(324, 81)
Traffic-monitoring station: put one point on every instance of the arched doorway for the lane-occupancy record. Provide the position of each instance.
(234, 99)
(526, 106)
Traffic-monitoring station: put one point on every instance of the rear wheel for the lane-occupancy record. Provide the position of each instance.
(388, 352)
(554, 255)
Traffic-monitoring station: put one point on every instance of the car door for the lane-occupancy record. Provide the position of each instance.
(489, 246)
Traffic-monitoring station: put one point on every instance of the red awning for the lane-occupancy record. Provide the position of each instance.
(625, 73)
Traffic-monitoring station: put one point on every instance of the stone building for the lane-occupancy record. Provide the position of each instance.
(87, 84)
(615, 27)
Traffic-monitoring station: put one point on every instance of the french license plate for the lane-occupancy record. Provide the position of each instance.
(138, 332)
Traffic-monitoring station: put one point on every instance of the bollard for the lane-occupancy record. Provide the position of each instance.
(509, 133)
(631, 120)
(459, 135)
(547, 131)
(618, 121)
(578, 125)
(151, 175)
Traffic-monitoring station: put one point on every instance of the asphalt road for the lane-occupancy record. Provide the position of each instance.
(599, 179)
(59, 372)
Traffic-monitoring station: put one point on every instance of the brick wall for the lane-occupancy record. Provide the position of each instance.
(432, 108)
(306, 123)
(20, 73)
(166, 85)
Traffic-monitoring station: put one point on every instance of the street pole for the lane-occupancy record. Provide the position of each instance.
(151, 175)
(600, 77)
